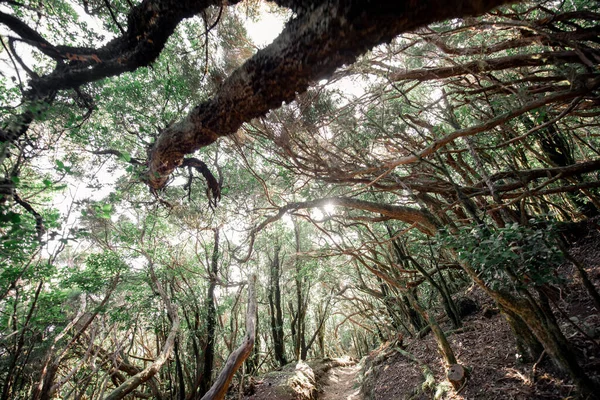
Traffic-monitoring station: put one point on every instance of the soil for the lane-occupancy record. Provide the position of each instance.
(342, 384)
(486, 347)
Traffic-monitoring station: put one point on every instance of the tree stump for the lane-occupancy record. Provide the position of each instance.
(457, 375)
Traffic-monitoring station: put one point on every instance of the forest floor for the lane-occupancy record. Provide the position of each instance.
(329, 378)
(342, 384)
(486, 347)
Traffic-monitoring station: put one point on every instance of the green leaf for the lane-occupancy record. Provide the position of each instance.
(125, 157)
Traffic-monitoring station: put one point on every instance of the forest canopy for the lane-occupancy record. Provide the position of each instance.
(348, 180)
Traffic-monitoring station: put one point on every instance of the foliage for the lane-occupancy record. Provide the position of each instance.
(423, 140)
(508, 257)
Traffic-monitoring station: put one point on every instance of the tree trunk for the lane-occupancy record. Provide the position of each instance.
(443, 346)
(585, 279)
(300, 342)
(211, 318)
(275, 309)
(253, 361)
(528, 346)
(237, 358)
(147, 373)
(20, 342)
(545, 330)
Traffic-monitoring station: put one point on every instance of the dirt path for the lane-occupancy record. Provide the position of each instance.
(342, 384)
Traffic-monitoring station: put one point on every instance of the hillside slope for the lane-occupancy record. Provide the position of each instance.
(486, 346)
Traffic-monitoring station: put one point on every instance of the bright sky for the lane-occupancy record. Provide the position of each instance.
(266, 29)
(261, 32)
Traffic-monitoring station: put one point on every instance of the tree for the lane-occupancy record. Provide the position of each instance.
(472, 138)
(275, 310)
(304, 52)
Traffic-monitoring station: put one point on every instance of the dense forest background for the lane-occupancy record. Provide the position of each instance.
(156, 164)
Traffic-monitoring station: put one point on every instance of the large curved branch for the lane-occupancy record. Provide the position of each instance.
(481, 66)
(508, 180)
(149, 26)
(420, 219)
(310, 48)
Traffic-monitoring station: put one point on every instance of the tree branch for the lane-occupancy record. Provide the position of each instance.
(310, 48)
(481, 66)
(237, 358)
(419, 218)
(149, 26)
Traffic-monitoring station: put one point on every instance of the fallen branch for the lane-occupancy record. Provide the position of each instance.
(148, 373)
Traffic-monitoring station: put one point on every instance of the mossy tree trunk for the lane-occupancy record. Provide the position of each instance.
(442, 342)
(544, 327)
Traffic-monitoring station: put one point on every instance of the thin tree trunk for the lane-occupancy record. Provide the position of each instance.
(528, 346)
(300, 342)
(585, 279)
(443, 345)
(544, 329)
(275, 310)
(148, 373)
(211, 318)
(237, 358)
(19, 345)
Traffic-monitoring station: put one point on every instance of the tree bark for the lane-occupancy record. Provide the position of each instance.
(237, 358)
(299, 340)
(310, 48)
(211, 318)
(275, 309)
(527, 344)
